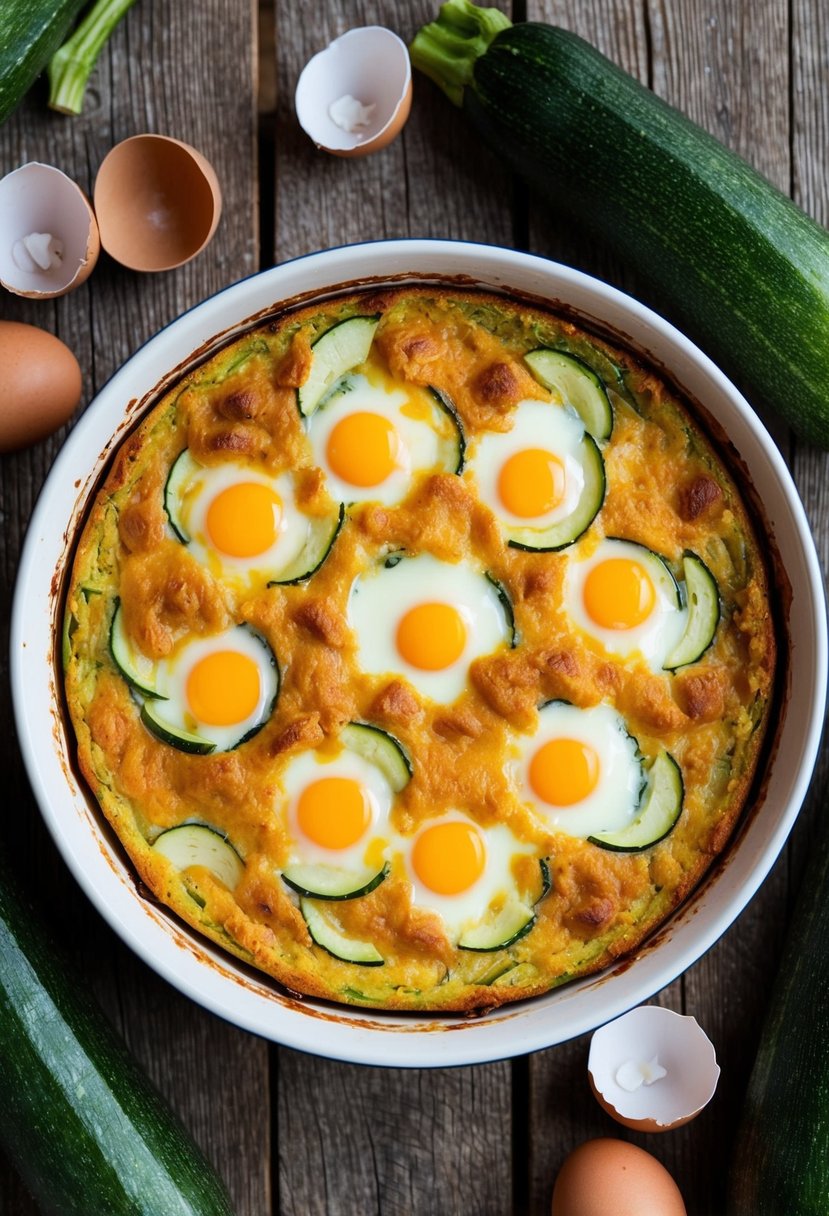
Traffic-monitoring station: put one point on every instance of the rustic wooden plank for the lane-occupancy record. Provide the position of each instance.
(723, 65)
(729, 72)
(392, 1141)
(810, 188)
(430, 182)
(155, 75)
(365, 1139)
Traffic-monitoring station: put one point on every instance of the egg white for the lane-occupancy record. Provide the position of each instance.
(171, 680)
(308, 767)
(614, 801)
(383, 594)
(497, 882)
(652, 640)
(424, 443)
(199, 487)
(536, 424)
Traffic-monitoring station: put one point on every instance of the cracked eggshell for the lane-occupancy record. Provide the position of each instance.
(40, 199)
(680, 1046)
(370, 64)
(158, 202)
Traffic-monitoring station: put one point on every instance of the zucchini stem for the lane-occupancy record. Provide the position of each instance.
(446, 50)
(71, 65)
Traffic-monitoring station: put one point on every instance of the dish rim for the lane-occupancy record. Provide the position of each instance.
(216, 980)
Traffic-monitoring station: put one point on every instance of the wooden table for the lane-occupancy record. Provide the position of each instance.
(290, 1133)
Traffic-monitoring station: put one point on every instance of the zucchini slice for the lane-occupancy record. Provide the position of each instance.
(181, 470)
(578, 385)
(509, 611)
(322, 534)
(658, 814)
(152, 715)
(513, 922)
(448, 407)
(330, 883)
(196, 844)
(331, 937)
(341, 348)
(563, 533)
(508, 926)
(381, 749)
(703, 601)
(138, 670)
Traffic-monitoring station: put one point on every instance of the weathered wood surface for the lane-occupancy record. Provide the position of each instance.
(290, 1133)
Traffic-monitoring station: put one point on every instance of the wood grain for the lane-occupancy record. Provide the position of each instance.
(184, 78)
(293, 1134)
(359, 1140)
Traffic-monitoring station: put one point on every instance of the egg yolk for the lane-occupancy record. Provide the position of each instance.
(431, 636)
(334, 812)
(244, 519)
(618, 593)
(449, 857)
(363, 449)
(564, 771)
(531, 483)
(223, 688)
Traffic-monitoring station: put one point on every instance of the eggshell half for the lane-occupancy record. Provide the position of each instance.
(38, 198)
(41, 384)
(370, 64)
(609, 1177)
(158, 202)
(682, 1049)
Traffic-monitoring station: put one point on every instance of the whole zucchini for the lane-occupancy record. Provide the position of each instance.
(82, 1124)
(780, 1165)
(738, 265)
(30, 33)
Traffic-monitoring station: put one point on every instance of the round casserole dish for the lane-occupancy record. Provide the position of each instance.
(213, 978)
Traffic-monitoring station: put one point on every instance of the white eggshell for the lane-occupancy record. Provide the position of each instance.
(677, 1043)
(370, 64)
(37, 198)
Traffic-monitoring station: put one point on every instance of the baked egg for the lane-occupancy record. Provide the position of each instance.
(371, 435)
(580, 771)
(213, 693)
(427, 620)
(624, 597)
(244, 524)
(461, 871)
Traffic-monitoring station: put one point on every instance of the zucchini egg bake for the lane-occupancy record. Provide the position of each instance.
(419, 651)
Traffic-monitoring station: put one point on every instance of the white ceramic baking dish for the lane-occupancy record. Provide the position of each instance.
(216, 980)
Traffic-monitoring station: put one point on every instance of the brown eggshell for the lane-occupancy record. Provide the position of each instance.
(158, 202)
(41, 384)
(609, 1177)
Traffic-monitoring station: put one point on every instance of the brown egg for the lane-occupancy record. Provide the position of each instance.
(158, 202)
(613, 1178)
(41, 384)
(354, 97)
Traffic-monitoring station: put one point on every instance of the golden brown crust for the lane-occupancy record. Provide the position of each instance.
(666, 490)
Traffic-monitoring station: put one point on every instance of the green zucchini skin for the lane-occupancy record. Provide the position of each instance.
(82, 1124)
(780, 1165)
(739, 267)
(30, 33)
